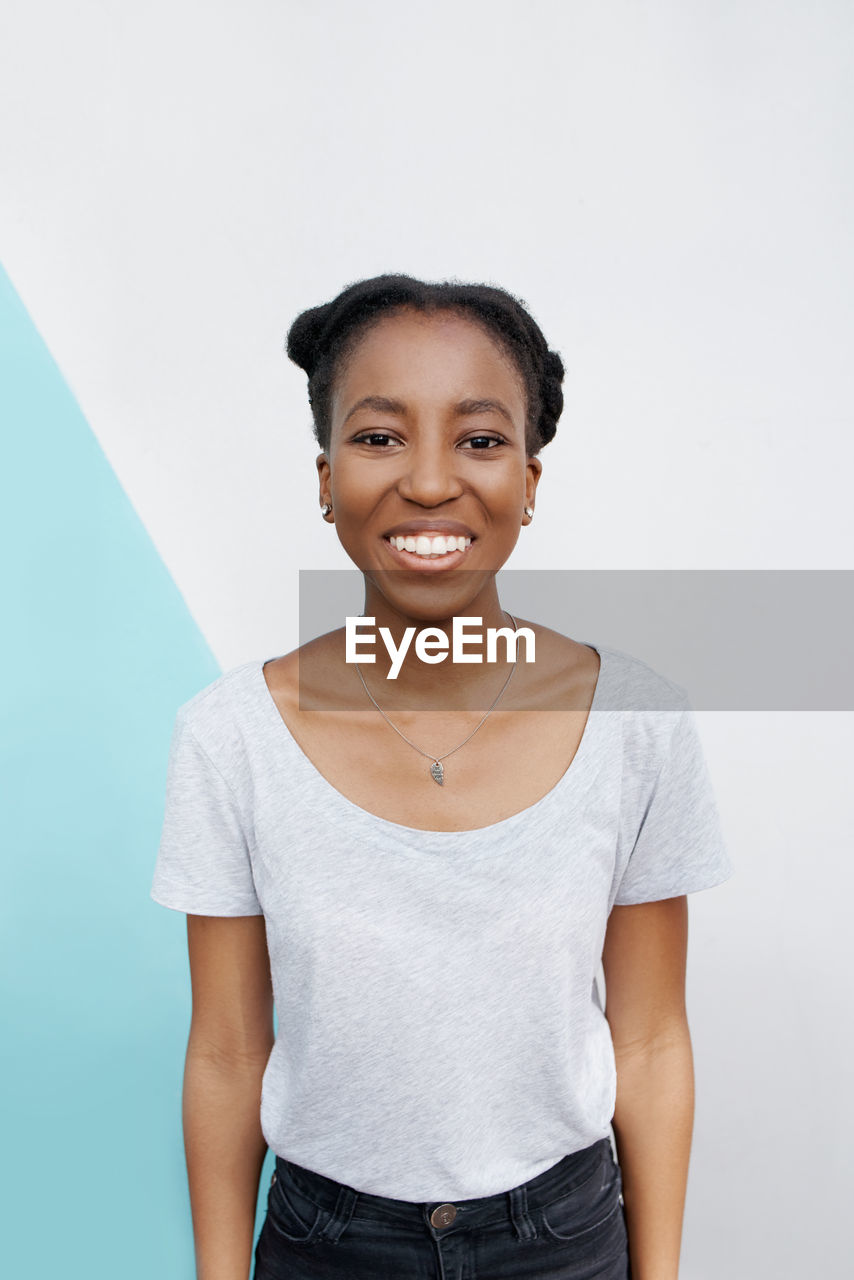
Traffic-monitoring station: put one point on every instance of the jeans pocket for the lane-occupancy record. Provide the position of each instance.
(590, 1215)
(291, 1212)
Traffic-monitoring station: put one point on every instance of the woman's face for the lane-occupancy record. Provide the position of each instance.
(428, 425)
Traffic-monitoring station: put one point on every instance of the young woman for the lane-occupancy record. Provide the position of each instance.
(425, 872)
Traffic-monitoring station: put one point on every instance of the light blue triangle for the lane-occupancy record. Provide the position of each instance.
(98, 650)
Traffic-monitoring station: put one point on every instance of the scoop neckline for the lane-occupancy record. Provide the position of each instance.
(572, 779)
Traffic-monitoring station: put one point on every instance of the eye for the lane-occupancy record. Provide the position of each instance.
(490, 440)
(371, 435)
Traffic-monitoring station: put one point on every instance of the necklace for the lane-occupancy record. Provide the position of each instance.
(437, 769)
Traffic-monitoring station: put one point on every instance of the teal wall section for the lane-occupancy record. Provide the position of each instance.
(98, 651)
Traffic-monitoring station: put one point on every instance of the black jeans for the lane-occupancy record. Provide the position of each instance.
(566, 1224)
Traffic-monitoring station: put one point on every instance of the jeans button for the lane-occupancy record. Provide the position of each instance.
(443, 1216)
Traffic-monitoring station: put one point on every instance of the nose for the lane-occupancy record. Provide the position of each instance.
(429, 476)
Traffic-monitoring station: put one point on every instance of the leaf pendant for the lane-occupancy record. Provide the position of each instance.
(438, 772)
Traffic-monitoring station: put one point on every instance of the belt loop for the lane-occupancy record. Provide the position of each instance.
(341, 1214)
(523, 1224)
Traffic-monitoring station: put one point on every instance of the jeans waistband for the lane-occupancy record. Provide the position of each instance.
(563, 1177)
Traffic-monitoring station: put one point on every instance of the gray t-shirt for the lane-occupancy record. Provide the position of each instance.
(440, 1032)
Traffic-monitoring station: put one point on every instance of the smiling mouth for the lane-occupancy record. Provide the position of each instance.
(427, 557)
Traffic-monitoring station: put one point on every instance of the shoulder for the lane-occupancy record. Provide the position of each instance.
(649, 706)
(634, 685)
(219, 716)
(282, 677)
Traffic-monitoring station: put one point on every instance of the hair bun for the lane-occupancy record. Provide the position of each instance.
(305, 335)
(553, 366)
(551, 395)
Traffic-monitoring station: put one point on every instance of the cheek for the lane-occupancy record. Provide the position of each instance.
(507, 491)
(355, 486)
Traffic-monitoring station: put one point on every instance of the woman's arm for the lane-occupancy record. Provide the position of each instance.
(231, 1035)
(644, 963)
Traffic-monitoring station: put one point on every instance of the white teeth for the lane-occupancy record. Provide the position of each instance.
(424, 545)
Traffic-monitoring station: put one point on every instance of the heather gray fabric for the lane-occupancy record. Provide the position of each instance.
(440, 1035)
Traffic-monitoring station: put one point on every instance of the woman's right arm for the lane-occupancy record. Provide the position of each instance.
(231, 1036)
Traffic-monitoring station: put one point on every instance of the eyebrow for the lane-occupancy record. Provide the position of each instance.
(382, 404)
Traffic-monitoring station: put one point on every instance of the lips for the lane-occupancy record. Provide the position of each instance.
(427, 564)
(413, 527)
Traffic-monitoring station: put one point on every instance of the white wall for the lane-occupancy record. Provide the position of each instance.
(669, 187)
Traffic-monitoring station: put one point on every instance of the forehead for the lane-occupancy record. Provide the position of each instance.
(438, 355)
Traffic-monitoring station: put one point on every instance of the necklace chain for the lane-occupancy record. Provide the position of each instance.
(436, 768)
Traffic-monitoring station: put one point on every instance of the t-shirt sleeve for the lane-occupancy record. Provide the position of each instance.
(680, 845)
(203, 865)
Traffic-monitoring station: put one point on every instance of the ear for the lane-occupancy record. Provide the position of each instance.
(534, 471)
(324, 473)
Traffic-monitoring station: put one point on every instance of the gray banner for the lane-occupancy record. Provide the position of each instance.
(736, 640)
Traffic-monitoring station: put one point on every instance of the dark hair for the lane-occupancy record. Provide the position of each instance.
(320, 339)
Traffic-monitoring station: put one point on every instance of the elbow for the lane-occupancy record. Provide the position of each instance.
(655, 1077)
(241, 1055)
(664, 1040)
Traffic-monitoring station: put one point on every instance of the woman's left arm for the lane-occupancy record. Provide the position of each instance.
(644, 959)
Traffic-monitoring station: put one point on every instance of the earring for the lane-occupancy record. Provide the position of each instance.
(529, 512)
(325, 509)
